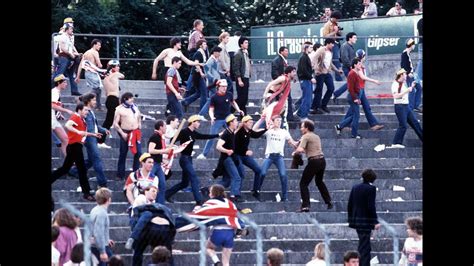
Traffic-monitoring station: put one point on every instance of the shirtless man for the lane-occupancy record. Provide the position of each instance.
(167, 54)
(92, 66)
(111, 85)
(128, 124)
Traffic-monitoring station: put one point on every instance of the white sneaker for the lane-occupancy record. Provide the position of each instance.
(201, 157)
(94, 178)
(103, 146)
(399, 146)
(129, 243)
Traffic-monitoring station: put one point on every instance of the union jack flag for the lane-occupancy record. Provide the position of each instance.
(213, 212)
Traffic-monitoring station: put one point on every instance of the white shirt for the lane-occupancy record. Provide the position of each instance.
(55, 255)
(69, 44)
(316, 262)
(327, 59)
(233, 44)
(404, 99)
(394, 12)
(412, 248)
(169, 134)
(276, 141)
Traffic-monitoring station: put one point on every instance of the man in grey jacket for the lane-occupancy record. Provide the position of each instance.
(347, 55)
(241, 70)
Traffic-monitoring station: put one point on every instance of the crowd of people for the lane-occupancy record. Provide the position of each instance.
(211, 80)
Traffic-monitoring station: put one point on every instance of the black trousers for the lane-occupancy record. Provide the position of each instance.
(289, 115)
(364, 246)
(110, 103)
(74, 155)
(242, 94)
(314, 168)
(153, 235)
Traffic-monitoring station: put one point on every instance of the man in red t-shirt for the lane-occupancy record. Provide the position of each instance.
(77, 133)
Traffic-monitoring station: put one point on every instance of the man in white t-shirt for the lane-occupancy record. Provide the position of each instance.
(274, 153)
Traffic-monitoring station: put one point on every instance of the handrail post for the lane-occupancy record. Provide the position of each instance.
(326, 240)
(392, 231)
(258, 236)
(117, 47)
(202, 238)
(87, 230)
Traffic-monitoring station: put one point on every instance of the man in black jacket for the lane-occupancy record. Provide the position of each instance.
(279, 64)
(305, 75)
(242, 73)
(362, 215)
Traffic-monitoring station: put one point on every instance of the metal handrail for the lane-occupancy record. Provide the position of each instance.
(394, 234)
(326, 239)
(258, 236)
(202, 238)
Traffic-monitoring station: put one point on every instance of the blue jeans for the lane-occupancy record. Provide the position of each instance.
(414, 98)
(250, 162)
(205, 109)
(307, 90)
(277, 159)
(186, 163)
(336, 60)
(318, 92)
(96, 253)
(93, 160)
(215, 128)
(352, 115)
(231, 177)
(123, 156)
(190, 89)
(55, 138)
(200, 93)
(367, 110)
(230, 85)
(174, 105)
(63, 68)
(161, 182)
(405, 116)
(343, 88)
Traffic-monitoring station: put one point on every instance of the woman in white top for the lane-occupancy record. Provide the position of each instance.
(404, 114)
(318, 258)
(412, 253)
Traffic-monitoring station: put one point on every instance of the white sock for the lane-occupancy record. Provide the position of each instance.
(215, 259)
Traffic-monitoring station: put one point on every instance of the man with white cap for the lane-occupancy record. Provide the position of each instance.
(244, 154)
(186, 160)
(219, 109)
(67, 53)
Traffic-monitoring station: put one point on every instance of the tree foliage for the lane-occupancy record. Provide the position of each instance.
(162, 17)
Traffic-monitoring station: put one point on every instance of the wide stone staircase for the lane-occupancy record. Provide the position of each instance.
(399, 182)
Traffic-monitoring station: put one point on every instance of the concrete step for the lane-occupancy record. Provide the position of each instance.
(272, 182)
(266, 194)
(293, 218)
(301, 245)
(382, 117)
(259, 152)
(331, 163)
(291, 206)
(194, 108)
(161, 100)
(292, 258)
(281, 231)
(151, 88)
